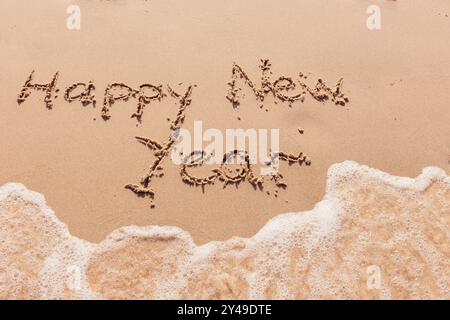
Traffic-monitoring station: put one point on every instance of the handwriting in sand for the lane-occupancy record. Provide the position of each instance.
(283, 90)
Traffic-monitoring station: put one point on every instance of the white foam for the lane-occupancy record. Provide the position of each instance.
(367, 216)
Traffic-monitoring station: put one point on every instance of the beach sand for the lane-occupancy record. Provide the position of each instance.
(396, 120)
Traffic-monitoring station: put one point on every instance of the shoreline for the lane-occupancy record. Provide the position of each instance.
(159, 249)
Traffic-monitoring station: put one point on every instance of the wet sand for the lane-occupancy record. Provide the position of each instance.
(373, 236)
(396, 79)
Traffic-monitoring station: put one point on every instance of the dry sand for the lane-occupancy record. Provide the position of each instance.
(397, 120)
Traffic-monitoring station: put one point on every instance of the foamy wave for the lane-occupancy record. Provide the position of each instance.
(372, 236)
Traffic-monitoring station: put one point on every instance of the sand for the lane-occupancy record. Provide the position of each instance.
(373, 236)
(94, 141)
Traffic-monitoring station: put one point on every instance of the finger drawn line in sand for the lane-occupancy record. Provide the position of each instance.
(121, 92)
(114, 92)
(281, 87)
(146, 93)
(47, 88)
(85, 97)
(228, 176)
(161, 151)
(224, 173)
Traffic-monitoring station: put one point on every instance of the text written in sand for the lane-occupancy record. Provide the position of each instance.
(283, 89)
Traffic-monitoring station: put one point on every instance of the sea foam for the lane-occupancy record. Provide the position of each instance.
(373, 236)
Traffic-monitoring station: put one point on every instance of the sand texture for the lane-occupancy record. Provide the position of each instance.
(89, 119)
(368, 219)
